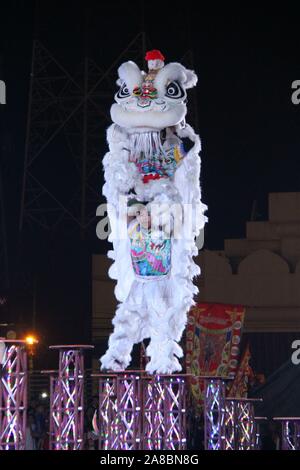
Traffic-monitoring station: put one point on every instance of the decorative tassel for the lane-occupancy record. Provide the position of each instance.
(148, 143)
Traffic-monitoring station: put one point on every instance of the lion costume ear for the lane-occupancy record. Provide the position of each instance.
(174, 71)
(191, 79)
(130, 73)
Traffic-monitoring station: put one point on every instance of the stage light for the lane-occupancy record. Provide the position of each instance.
(31, 340)
(44, 395)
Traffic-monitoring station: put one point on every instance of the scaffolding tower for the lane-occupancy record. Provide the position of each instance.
(67, 117)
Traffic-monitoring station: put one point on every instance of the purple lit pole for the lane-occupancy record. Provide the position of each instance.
(120, 410)
(230, 425)
(290, 428)
(240, 423)
(67, 399)
(129, 409)
(165, 412)
(138, 411)
(169, 412)
(13, 396)
(214, 412)
(148, 412)
(107, 412)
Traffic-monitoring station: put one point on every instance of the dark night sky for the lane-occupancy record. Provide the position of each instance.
(246, 64)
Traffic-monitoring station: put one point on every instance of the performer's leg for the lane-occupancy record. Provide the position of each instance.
(128, 330)
(164, 353)
(164, 349)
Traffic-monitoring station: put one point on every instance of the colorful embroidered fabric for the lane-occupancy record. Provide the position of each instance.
(160, 165)
(150, 257)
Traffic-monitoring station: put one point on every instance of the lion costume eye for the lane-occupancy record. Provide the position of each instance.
(123, 92)
(174, 91)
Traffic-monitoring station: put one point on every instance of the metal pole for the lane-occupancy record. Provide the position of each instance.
(230, 424)
(214, 412)
(67, 404)
(245, 425)
(120, 410)
(290, 428)
(129, 400)
(107, 412)
(137, 411)
(175, 411)
(164, 425)
(240, 419)
(13, 396)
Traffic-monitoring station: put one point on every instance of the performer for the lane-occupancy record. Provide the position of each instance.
(148, 167)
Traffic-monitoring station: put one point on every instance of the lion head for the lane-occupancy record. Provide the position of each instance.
(153, 101)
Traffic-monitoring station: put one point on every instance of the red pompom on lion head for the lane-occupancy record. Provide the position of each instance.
(155, 54)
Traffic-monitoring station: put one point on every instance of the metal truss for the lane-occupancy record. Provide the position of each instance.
(230, 425)
(120, 411)
(68, 113)
(13, 397)
(141, 412)
(67, 399)
(129, 406)
(67, 118)
(165, 413)
(290, 433)
(54, 414)
(107, 414)
(245, 425)
(214, 413)
(241, 429)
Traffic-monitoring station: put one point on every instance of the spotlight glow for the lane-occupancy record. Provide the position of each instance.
(31, 340)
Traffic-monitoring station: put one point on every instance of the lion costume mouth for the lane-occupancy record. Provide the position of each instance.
(149, 118)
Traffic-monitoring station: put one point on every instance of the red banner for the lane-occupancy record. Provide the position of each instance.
(239, 387)
(213, 342)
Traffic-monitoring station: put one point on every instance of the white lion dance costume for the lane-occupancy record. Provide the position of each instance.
(148, 168)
